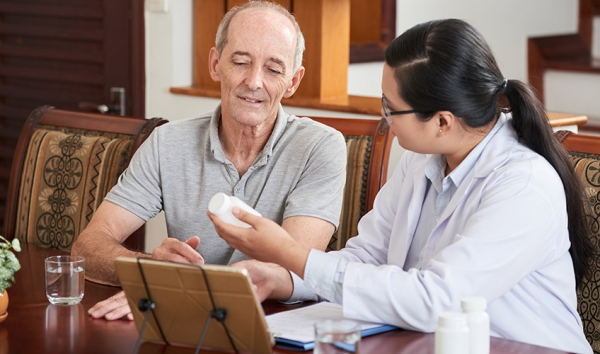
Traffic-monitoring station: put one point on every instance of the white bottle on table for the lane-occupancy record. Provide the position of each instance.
(478, 322)
(221, 204)
(452, 334)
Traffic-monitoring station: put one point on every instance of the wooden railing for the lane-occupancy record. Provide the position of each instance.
(569, 52)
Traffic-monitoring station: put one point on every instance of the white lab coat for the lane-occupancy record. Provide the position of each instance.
(503, 236)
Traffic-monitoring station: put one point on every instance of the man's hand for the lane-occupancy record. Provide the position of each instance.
(116, 306)
(113, 308)
(270, 280)
(176, 251)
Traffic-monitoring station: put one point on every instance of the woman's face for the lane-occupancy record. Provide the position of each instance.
(412, 134)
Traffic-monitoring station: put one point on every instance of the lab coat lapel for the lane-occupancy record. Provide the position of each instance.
(416, 201)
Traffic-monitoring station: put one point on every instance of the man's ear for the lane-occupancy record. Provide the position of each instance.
(213, 64)
(295, 82)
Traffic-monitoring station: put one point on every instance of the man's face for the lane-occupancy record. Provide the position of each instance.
(256, 66)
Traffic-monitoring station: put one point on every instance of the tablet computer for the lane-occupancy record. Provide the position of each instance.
(184, 297)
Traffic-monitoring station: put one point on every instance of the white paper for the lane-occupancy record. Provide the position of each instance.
(298, 324)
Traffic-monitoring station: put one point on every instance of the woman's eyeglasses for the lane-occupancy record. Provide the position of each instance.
(388, 114)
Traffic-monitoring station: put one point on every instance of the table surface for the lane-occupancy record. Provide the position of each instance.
(34, 325)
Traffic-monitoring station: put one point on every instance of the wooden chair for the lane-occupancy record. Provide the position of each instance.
(64, 164)
(368, 143)
(585, 154)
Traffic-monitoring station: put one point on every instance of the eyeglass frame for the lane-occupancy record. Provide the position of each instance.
(387, 114)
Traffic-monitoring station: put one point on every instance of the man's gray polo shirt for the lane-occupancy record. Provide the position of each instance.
(301, 171)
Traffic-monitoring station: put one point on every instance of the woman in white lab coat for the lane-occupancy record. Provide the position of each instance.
(483, 203)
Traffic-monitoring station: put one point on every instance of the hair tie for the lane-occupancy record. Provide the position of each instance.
(504, 83)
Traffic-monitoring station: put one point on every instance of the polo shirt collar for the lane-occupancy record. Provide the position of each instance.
(266, 152)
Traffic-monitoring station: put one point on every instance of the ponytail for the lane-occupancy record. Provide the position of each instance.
(531, 123)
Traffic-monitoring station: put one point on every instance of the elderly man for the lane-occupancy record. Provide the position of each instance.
(290, 169)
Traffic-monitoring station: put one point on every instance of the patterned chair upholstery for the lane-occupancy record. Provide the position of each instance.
(64, 165)
(368, 143)
(585, 154)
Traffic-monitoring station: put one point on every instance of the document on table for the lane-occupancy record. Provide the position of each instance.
(294, 329)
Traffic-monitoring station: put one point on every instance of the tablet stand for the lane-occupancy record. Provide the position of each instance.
(146, 305)
(217, 313)
(173, 303)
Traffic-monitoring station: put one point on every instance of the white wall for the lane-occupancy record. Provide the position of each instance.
(506, 25)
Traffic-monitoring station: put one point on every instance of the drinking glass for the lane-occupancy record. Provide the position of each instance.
(337, 336)
(65, 279)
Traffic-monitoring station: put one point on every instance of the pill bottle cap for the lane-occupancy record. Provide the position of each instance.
(474, 303)
(452, 319)
(219, 203)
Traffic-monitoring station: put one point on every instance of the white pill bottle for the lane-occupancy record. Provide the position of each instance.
(221, 204)
(478, 321)
(452, 334)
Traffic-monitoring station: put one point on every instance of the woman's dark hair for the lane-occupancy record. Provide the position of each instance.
(446, 65)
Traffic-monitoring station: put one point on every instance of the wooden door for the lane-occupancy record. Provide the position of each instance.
(63, 53)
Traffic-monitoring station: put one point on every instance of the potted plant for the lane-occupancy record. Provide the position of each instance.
(9, 265)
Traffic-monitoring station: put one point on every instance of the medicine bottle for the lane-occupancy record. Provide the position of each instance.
(452, 334)
(478, 322)
(221, 204)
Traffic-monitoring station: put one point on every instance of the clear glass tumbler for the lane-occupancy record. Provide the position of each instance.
(65, 279)
(337, 336)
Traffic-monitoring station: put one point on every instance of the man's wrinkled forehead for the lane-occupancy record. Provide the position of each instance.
(263, 22)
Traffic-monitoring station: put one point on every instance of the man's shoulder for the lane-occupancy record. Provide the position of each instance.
(188, 124)
(309, 126)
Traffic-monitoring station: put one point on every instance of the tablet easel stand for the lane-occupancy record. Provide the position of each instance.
(146, 305)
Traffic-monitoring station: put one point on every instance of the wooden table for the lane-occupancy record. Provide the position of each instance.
(35, 326)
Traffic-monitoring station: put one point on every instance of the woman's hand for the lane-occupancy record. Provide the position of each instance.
(270, 280)
(264, 241)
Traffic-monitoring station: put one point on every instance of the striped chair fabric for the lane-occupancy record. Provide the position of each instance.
(66, 162)
(585, 154)
(368, 144)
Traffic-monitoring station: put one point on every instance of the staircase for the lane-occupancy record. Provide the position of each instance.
(565, 56)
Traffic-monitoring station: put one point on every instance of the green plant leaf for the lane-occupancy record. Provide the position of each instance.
(12, 261)
(9, 263)
(16, 244)
(4, 284)
(6, 274)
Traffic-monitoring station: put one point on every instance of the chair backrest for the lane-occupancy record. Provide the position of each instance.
(64, 164)
(585, 155)
(368, 144)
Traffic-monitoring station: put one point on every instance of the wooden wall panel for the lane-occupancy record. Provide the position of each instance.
(207, 16)
(326, 28)
(62, 53)
(365, 20)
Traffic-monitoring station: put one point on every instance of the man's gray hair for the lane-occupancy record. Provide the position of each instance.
(221, 39)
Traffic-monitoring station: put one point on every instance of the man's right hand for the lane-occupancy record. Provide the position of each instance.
(176, 251)
(116, 306)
